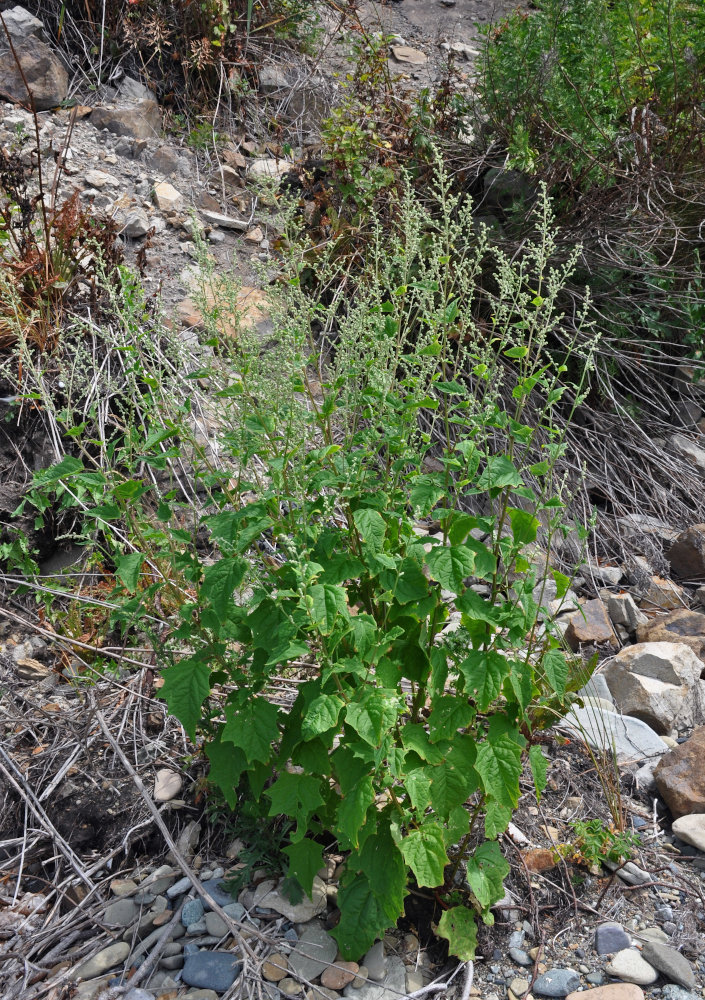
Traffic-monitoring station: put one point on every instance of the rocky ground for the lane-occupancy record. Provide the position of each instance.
(115, 875)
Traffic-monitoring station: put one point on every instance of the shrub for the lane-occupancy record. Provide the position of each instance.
(588, 90)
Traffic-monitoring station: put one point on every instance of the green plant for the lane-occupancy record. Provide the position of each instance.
(409, 409)
(594, 842)
(321, 568)
(589, 91)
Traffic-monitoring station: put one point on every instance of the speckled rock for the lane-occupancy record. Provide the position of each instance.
(211, 970)
(556, 983)
(670, 963)
(630, 967)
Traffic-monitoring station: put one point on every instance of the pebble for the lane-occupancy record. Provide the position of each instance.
(337, 976)
(215, 925)
(171, 962)
(314, 950)
(215, 889)
(179, 888)
(664, 912)
(212, 970)
(673, 992)
(691, 830)
(236, 911)
(375, 962)
(290, 987)
(630, 967)
(415, 980)
(106, 959)
(615, 991)
(595, 978)
(122, 887)
(670, 963)
(361, 978)
(197, 927)
(137, 994)
(556, 983)
(276, 967)
(200, 995)
(121, 913)
(610, 938)
(519, 987)
(519, 956)
(516, 939)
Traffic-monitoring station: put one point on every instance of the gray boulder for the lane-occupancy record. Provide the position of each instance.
(632, 739)
(43, 70)
(659, 683)
(139, 119)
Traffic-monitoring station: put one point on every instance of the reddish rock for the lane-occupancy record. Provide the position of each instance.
(590, 625)
(683, 626)
(680, 776)
(687, 554)
(335, 977)
(615, 991)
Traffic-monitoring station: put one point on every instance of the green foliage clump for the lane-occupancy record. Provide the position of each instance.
(593, 89)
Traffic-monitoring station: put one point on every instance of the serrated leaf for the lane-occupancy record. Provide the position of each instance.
(227, 764)
(411, 584)
(127, 570)
(484, 673)
(458, 927)
(448, 715)
(539, 770)
(497, 819)
(253, 728)
(295, 795)
(562, 583)
(371, 527)
(362, 918)
(499, 473)
(450, 565)
(363, 632)
(186, 686)
(321, 715)
(450, 787)
(486, 871)
(499, 766)
(524, 526)
(327, 603)
(305, 860)
(373, 716)
(219, 582)
(418, 787)
(426, 491)
(353, 807)
(556, 667)
(425, 853)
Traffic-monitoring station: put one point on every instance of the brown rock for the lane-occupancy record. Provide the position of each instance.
(44, 72)
(590, 625)
(251, 306)
(276, 967)
(335, 977)
(683, 626)
(662, 593)
(539, 859)
(687, 554)
(139, 119)
(615, 991)
(680, 776)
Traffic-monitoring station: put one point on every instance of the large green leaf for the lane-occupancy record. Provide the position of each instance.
(186, 686)
(353, 807)
(219, 582)
(418, 787)
(127, 570)
(425, 853)
(370, 524)
(295, 795)
(253, 727)
(227, 764)
(305, 860)
(556, 667)
(448, 715)
(484, 672)
(486, 871)
(426, 491)
(539, 770)
(524, 526)
(499, 766)
(450, 565)
(497, 818)
(327, 603)
(458, 927)
(374, 715)
(450, 787)
(362, 917)
(321, 715)
(411, 585)
(498, 474)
